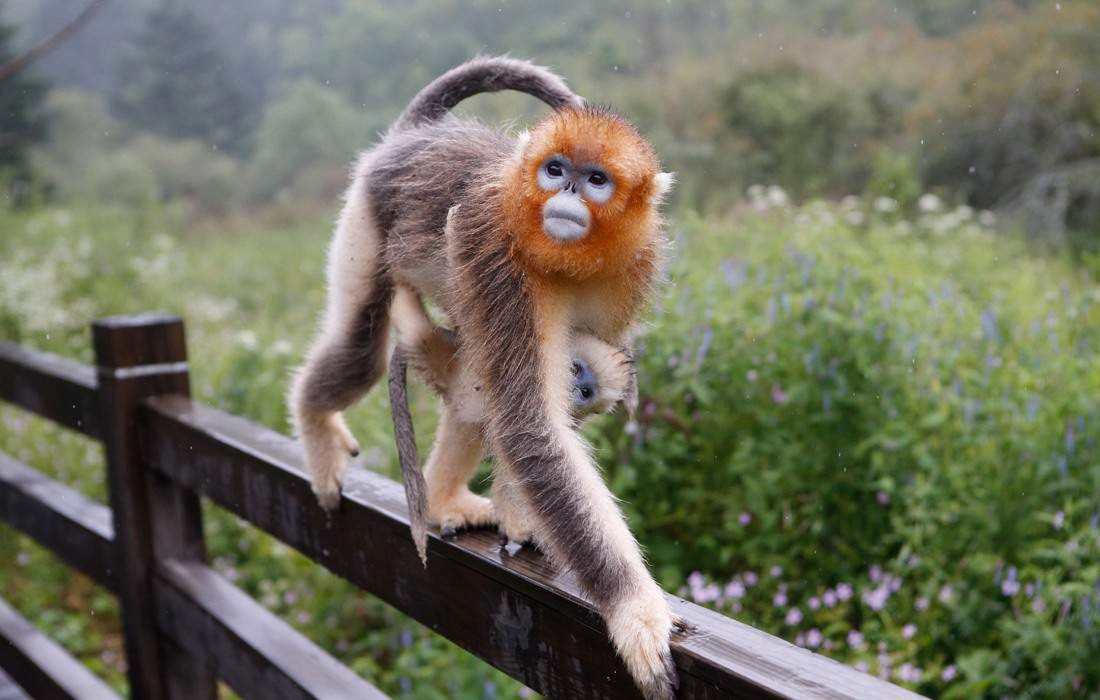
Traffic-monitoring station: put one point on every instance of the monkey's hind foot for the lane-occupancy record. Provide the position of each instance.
(328, 447)
(640, 625)
(462, 510)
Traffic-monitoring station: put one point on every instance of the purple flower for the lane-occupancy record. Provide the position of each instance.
(844, 591)
(876, 598)
(949, 673)
(908, 673)
(776, 571)
(1010, 587)
(876, 572)
(946, 593)
(744, 519)
(735, 589)
(794, 616)
(909, 631)
(1059, 520)
(780, 599)
(813, 603)
(855, 639)
(751, 578)
(813, 638)
(883, 498)
(778, 395)
(829, 597)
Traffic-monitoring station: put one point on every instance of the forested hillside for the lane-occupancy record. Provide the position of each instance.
(993, 104)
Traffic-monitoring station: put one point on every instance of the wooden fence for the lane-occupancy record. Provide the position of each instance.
(185, 626)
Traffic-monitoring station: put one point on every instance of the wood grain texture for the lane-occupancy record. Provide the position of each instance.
(40, 666)
(153, 518)
(77, 528)
(254, 651)
(50, 386)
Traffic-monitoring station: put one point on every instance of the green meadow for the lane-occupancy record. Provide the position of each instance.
(870, 433)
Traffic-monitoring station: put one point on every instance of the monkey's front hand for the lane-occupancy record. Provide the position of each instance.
(640, 625)
(328, 445)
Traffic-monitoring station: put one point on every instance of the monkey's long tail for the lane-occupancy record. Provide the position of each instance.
(484, 74)
(416, 490)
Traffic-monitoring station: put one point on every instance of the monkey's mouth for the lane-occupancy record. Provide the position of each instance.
(565, 225)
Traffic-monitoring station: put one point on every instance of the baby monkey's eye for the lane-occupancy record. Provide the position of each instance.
(597, 179)
(554, 169)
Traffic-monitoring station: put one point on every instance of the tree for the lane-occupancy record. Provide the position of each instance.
(21, 114)
(176, 83)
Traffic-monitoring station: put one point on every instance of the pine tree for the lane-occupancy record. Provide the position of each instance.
(176, 83)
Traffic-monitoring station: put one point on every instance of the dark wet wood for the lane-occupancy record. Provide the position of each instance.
(254, 651)
(40, 666)
(137, 357)
(77, 528)
(50, 386)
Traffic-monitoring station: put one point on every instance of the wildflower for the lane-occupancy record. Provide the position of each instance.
(921, 604)
(751, 578)
(776, 571)
(949, 673)
(876, 572)
(1010, 588)
(909, 631)
(813, 603)
(744, 519)
(751, 375)
(829, 597)
(735, 589)
(908, 673)
(877, 597)
(844, 591)
(855, 639)
(946, 593)
(794, 616)
(780, 599)
(1059, 520)
(813, 638)
(778, 395)
(883, 498)
(861, 666)
(929, 204)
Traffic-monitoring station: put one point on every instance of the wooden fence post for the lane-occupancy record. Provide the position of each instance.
(154, 519)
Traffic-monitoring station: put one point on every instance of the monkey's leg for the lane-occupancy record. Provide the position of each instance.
(351, 352)
(455, 455)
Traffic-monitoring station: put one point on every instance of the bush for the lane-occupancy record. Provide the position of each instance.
(877, 440)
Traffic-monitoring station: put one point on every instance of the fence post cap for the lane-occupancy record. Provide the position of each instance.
(137, 340)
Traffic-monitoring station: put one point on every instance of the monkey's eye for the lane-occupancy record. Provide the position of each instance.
(554, 169)
(586, 393)
(597, 179)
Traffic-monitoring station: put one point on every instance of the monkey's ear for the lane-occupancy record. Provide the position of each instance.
(662, 183)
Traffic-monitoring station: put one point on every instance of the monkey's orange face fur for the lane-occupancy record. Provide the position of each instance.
(584, 202)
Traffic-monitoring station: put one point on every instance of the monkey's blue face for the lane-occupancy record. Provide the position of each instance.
(585, 391)
(565, 216)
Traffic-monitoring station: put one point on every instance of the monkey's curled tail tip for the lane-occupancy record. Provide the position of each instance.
(485, 74)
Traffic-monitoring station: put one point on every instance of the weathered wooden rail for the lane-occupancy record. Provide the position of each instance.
(185, 627)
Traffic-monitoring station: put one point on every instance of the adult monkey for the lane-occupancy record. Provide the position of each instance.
(523, 245)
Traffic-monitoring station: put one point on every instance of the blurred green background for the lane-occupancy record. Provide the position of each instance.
(869, 411)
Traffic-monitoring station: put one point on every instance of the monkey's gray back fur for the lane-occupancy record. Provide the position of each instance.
(485, 74)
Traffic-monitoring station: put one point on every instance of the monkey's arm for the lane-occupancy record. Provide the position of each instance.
(518, 334)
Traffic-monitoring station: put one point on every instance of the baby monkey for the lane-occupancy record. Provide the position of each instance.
(602, 376)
